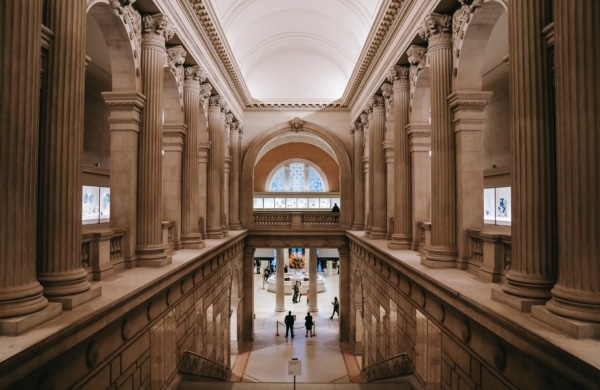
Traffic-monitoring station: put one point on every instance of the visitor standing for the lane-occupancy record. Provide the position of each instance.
(308, 323)
(289, 324)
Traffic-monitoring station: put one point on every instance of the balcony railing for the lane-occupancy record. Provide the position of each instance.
(296, 219)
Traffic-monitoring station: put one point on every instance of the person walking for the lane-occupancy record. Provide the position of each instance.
(308, 323)
(307, 297)
(289, 324)
(336, 308)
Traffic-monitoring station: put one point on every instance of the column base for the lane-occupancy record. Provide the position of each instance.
(279, 309)
(400, 242)
(235, 226)
(152, 256)
(19, 325)
(192, 241)
(215, 234)
(377, 234)
(357, 226)
(574, 328)
(521, 304)
(439, 257)
(69, 302)
(489, 275)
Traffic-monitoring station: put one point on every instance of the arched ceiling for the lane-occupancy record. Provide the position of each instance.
(296, 50)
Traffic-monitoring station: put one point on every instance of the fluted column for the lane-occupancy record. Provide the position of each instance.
(215, 168)
(227, 161)
(437, 30)
(312, 280)
(150, 248)
(190, 215)
(533, 265)
(377, 211)
(60, 269)
(248, 294)
(576, 293)
(402, 234)
(20, 292)
(364, 120)
(234, 176)
(358, 217)
(203, 156)
(387, 90)
(279, 282)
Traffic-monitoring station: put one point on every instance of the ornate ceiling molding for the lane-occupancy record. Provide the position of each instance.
(221, 47)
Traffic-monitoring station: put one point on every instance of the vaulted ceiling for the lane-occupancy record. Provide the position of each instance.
(296, 50)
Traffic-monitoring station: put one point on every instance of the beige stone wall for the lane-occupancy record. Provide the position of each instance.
(449, 344)
(143, 347)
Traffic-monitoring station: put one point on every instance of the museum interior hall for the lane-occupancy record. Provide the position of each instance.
(310, 194)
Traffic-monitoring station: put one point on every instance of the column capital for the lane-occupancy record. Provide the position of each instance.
(398, 72)
(156, 29)
(436, 29)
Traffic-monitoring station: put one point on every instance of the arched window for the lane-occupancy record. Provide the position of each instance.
(297, 176)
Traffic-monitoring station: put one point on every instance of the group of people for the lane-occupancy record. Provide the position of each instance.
(308, 320)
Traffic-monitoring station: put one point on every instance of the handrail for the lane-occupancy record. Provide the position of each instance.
(395, 366)
(196, 364)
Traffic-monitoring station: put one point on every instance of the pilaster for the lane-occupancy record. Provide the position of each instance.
(344, 296)
(437, 30)
(124, 122)
(60, 269)
(173, 136)
(150, 248)
(468, 121)
(248, 294)
(419, 143)
(234, 187)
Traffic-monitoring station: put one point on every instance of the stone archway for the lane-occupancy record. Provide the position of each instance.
(309, 133)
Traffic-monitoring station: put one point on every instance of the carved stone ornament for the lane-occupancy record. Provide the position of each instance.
(176, 57)
(133, 24)
(215, 101)
(387, 90)
(461, 17)
(296, 124)
(436, 28)
(398, 72)
(157, 26)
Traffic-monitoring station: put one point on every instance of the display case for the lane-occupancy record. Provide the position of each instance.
(497, 206)
(95, 204)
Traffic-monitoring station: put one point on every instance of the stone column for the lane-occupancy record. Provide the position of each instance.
(402, 234)
(377, 211)
(388, 153)
(248, 294)
(358, 217)
(279, 282)
(226, 171)
(312, 280)
(234, 176)
(469, 121)
(150, 248)
(344, 295)
(60, 268)
(533, 266)
(215, 170)
(364, 120)
(437, 30)
(203, 156)
(190, 214)
(20, 292)
(575, 294)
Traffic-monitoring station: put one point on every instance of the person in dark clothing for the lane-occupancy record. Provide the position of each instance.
(308, 323)
(336, 308)
(335, 208)
(289, 324)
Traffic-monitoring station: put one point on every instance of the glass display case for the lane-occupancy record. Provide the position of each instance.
(497, 206)
(95, 204)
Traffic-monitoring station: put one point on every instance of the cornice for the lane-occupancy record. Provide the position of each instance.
(222, 50)
(296, 107)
